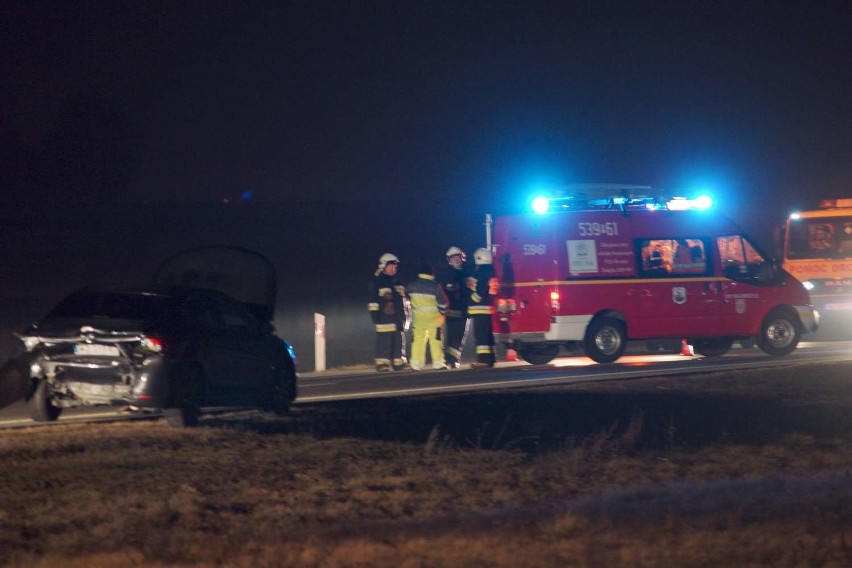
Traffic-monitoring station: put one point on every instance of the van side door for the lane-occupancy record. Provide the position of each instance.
(743, 303)
(676, 295)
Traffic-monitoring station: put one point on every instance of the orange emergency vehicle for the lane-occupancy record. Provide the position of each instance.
(817, 249)
(595, 272)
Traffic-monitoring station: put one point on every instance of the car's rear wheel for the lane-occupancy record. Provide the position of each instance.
(606, 339)
(538, 353)
(713, 347)
(41, 407)
(185, 409)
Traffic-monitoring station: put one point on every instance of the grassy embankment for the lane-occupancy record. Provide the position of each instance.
(733, 469)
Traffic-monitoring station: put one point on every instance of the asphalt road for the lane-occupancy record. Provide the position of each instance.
(339, 385)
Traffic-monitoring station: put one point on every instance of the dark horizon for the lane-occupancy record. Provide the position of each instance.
(205, 102)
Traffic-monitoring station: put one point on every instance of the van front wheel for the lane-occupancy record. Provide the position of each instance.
(606, 339)
(780, 333)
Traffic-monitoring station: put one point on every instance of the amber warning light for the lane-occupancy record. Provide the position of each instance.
(834, 203)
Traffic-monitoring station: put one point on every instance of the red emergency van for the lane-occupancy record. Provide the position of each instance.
(593, 273)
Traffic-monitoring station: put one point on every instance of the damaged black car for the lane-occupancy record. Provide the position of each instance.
(175, 347)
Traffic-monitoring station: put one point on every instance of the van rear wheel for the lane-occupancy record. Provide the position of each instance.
(538, 354)
(780, 333)
(713, 347)
(606, 339)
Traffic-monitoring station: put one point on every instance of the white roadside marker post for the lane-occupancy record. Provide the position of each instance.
(319, 342)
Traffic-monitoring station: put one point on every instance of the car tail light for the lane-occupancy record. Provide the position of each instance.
(154, 344)
(554, 301)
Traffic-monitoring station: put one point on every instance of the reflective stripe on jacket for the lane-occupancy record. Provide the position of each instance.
(482, 288)
(386, 301)
(426, 296)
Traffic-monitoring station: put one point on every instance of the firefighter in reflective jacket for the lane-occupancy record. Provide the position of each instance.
(454, 280)
(428, 304)
(482, 288)
(387, 309)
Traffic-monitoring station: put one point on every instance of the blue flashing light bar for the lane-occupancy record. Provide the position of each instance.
(543, 205)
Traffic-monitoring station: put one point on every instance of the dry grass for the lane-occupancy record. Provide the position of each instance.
(738, 469)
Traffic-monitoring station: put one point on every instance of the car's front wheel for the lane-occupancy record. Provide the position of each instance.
(780, 333)
(41, 406)
(283, 388)
(185, 408)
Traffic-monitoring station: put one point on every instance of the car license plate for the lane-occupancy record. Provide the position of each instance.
(96, 349)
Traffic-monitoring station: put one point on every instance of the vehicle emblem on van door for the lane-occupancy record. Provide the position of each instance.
(679, 295)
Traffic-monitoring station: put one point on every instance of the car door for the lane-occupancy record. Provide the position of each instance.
(244, 275)
(210, 346)
(250, 361)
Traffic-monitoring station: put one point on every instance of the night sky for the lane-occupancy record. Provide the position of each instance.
(472, 101)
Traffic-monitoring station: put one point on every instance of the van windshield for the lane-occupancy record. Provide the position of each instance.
(819, 237)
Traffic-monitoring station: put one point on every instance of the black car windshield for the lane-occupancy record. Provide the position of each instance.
(110, 305)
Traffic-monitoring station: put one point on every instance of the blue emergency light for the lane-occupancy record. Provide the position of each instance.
(700, 203)
(540, 205)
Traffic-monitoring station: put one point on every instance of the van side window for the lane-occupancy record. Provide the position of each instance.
(689, 257)
(737, 251)
(656, 257)
(676, 257)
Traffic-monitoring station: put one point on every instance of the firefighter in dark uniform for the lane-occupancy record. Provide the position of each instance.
(454, 281)
(387, 309)
(482, 288)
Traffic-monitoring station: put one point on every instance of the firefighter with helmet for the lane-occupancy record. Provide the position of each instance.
(387, 307)
(482, 288)
(428, 304)
(454, 281)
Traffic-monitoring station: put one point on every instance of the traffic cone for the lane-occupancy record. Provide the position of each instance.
(686, 348)
(511, 355)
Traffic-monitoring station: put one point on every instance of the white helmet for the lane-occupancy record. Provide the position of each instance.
(386, 259)
(453, 251)
(482, 256)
